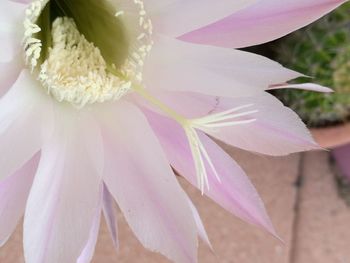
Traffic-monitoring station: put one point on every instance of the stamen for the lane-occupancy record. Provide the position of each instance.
(33, 45)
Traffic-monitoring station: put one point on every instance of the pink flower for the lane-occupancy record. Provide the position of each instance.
(99, 97)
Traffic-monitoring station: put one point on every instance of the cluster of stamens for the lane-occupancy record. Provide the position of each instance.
(145, 43)
(33, 45)
(74, 69)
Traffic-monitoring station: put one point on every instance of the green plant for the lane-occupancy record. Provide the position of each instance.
(321, 50)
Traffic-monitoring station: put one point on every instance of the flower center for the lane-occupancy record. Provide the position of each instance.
(84, 51)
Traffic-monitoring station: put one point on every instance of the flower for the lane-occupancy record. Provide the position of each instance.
(99, 97)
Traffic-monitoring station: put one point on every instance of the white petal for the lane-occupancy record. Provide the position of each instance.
(144, 186)
(25, 121)
(176, 17)
(14, 192)
(180, 66)
(66, 191)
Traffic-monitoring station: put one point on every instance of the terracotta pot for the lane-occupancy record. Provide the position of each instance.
(332, 137)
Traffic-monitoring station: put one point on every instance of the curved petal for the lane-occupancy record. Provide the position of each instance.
(235, 192)
(25, 121)
(14, 192)
(110, 216)
(210, 70)
(146, 190)
(263, 22)
(88, 251)
(66, 191)
(176, 17)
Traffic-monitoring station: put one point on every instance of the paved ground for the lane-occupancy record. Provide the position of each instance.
(301, 196)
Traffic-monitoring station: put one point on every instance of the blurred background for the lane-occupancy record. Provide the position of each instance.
(307, 195)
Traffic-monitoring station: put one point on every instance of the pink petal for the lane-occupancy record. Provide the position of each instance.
(66, 191)
(89, 249)
(144, 186)
(110, 216)
(14, 192)
(25, 121)
(176, 17)
(304, 86)
(235, 192)
(210, 70)
(265, 21)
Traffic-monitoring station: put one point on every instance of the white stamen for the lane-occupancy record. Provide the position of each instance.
(30, 29)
